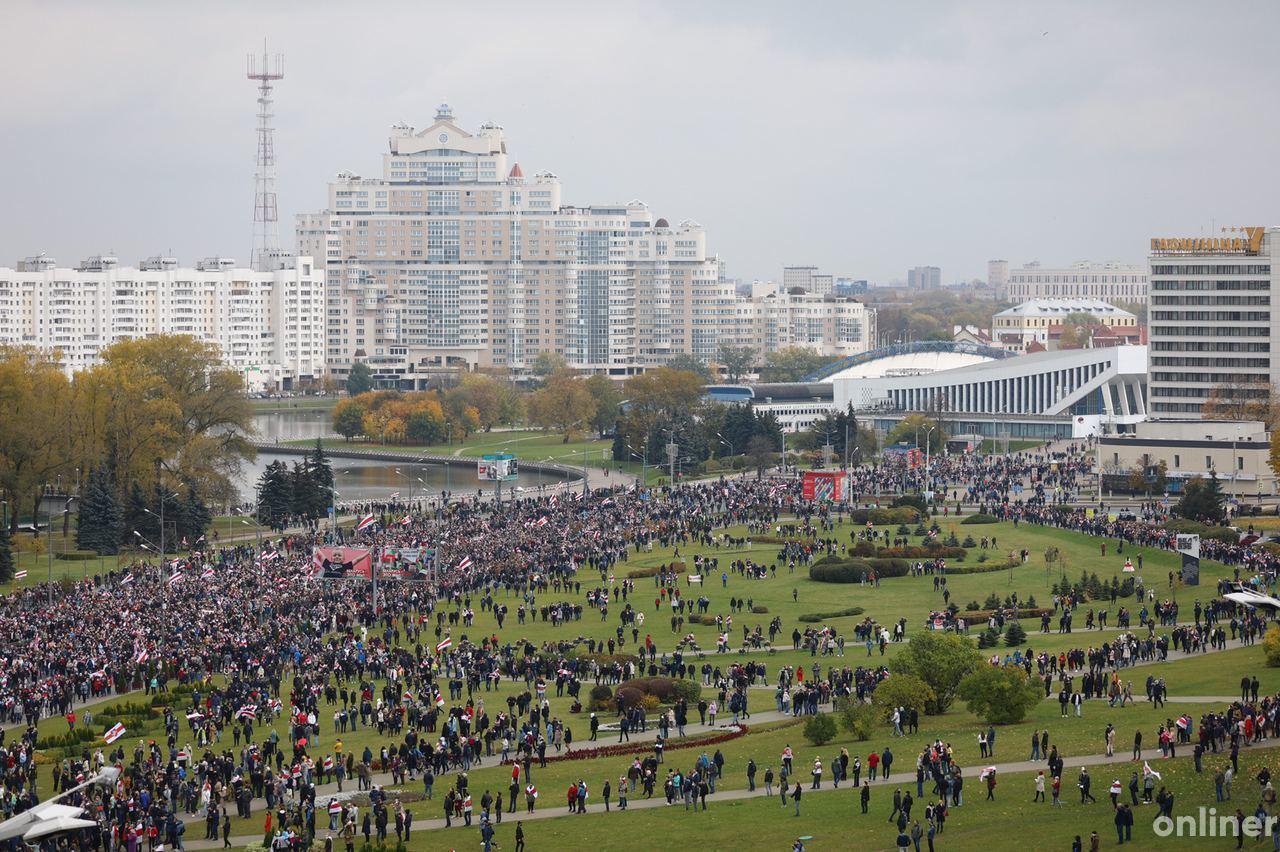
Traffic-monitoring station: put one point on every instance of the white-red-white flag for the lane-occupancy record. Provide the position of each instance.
(115, 733)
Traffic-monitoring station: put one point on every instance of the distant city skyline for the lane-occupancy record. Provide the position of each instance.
(863, 140)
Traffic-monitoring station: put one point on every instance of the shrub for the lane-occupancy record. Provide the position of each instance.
(973, 606)
(920, 531)
(1271, 645)
(903, 530)
(992, 601)
(820, 729)
(759, 609)
(1000, 695)
(689, 690)
(627, 697)
(989, 638)
(901, 690)
(78, 555)
(981, 567)
(844, 572)
(916, 501)
(816, 617)
(650, 703)
(969, 542)
(981, 518)
(601, 697)
(856, 717)
(654, 570)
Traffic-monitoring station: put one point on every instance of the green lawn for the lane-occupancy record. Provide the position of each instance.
(833, 819)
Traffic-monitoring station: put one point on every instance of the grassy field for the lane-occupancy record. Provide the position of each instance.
(834, 819)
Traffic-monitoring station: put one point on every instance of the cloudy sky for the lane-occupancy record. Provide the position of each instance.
(861, 137)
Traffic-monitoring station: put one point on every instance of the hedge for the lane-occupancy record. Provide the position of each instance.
(815, 617)
(856, 570)
(972, 617)
(654, 570)
(928, 551)
(1224, 534)
(885, 517)
(981, 518)
(630, 749)
(984, 567)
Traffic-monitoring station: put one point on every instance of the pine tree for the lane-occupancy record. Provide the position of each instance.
(138, 521)
(100, 519)
(322, 477)
(1014, 635)
(275, 495)
(6, 555)
(191, 517)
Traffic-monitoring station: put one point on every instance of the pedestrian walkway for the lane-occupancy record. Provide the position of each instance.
(555, 811)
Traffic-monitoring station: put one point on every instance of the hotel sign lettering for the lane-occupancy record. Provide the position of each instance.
(1249, 243)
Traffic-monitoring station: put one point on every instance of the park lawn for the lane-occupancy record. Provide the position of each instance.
(834, 820)
(267, 406)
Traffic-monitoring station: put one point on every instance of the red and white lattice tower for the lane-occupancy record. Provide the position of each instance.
(266, 216)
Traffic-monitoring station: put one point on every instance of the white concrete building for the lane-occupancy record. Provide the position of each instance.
(268, 325)
(837, 326)
(452, 258)
(1030, 322)
(1092, 386)
(1210, 318)
(924, 278)
(809, 279)
(1109, 282)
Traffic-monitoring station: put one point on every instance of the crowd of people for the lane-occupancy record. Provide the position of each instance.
(242, 639)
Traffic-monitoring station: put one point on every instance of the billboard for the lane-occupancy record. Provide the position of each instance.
(1189, 547)
(340, 563)
(823, 485)
(497, 467)
(405, 563)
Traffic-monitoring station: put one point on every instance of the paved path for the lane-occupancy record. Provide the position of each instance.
(553, 808)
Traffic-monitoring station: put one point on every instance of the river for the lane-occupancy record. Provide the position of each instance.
(364, 479)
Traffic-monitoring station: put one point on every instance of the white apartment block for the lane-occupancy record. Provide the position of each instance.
(1110, 282)
(268, 325)
(836, 326)
(809, 279)
(452, 258)
(1210, 318)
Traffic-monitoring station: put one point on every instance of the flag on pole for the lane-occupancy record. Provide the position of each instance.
(142, 657)
(193, 715)
(115, 733)
(439, 699)
(174, 577)
(465, 563)
(200, 539)
(126, 579)
(395, 495)
(406, 520)
(444, 645)
(1147, 770)
(18, 575)
(207, 573)
(248, 711)
(542, 522)
(365, 522)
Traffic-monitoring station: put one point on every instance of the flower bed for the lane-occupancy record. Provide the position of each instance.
(628, 749)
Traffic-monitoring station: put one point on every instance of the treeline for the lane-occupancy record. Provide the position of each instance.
(304, 491)
(478, 403)
(156, 417)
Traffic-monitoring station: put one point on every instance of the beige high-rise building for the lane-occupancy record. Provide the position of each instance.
(453, 258)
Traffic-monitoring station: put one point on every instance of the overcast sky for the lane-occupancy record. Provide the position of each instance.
(861, 137)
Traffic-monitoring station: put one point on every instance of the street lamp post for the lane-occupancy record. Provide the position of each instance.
(727, 442)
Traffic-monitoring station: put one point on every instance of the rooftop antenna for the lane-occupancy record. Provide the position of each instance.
(266, 216)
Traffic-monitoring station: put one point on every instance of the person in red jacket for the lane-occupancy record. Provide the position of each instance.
(873, 763)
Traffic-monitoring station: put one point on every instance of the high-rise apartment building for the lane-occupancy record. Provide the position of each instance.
(998, 278)
(268, 325)
(924, 278)
(809, 279)
(452, 257)
(1110, 282)
(829, 325)
(1210, 318)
